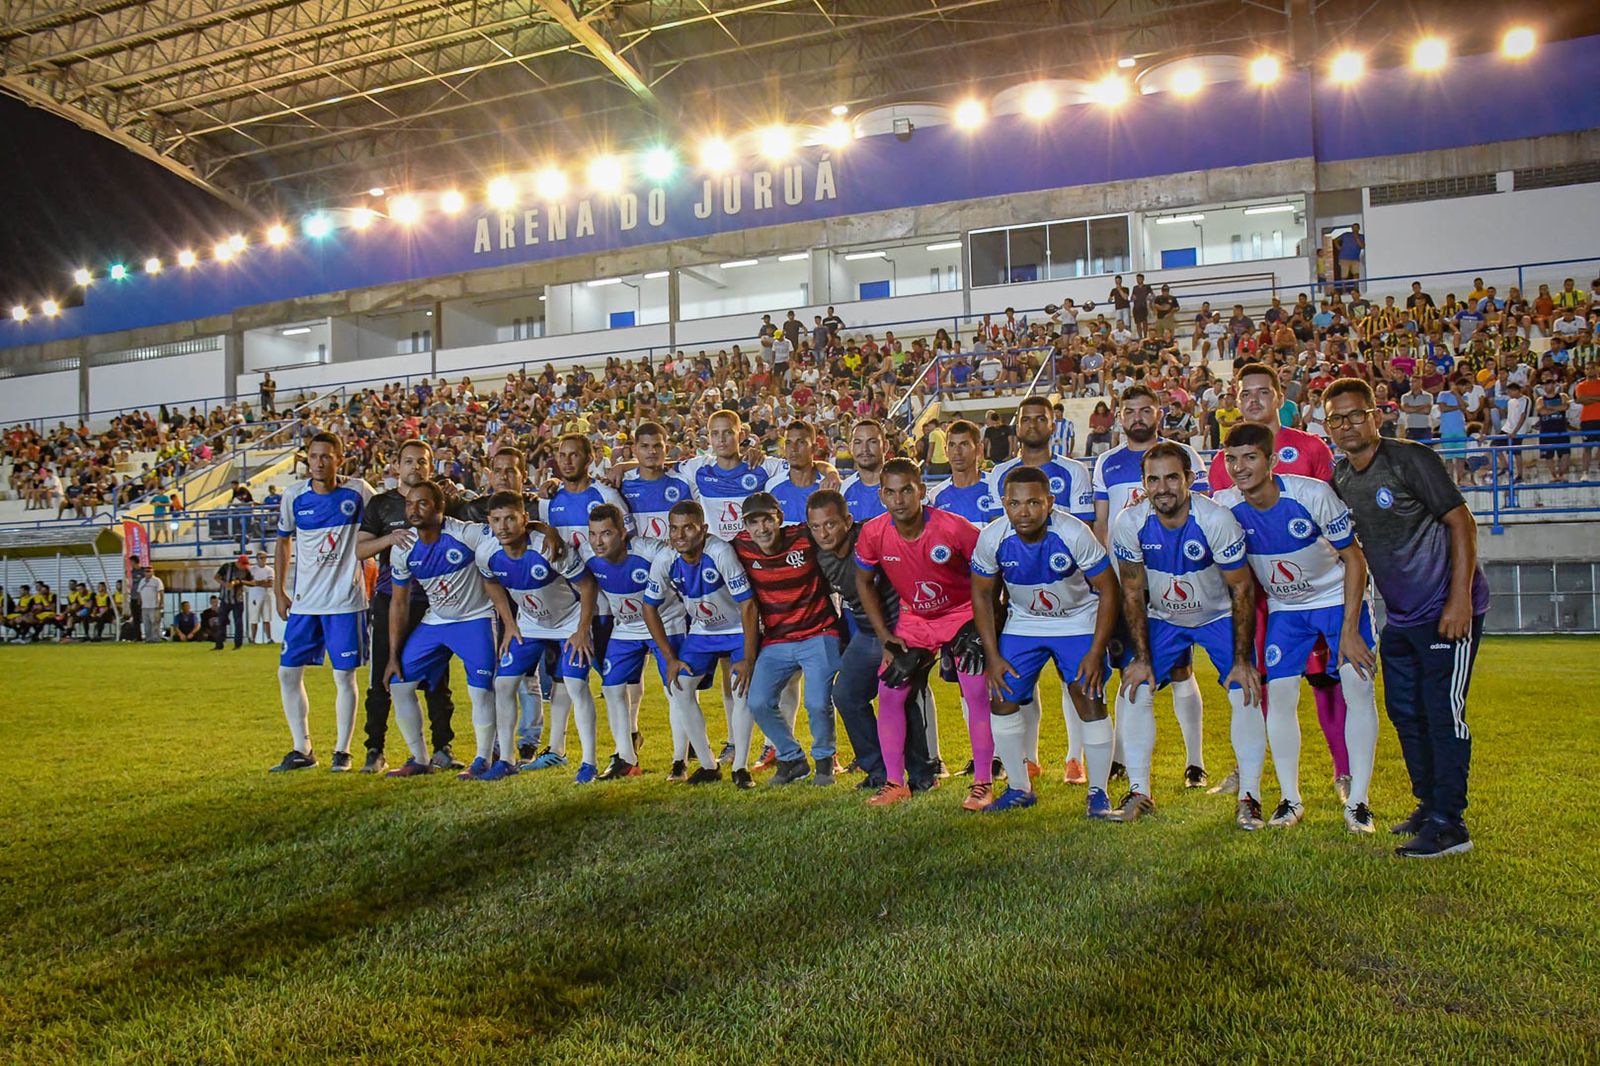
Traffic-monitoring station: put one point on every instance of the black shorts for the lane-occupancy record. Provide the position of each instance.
(1554, 440)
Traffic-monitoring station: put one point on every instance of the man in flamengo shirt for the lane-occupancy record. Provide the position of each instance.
(442, 558)
(723, 622)
(318, 520)
(799, 634)
(552, 597)
(1118, 481)
(1305, 454)
(926, 554)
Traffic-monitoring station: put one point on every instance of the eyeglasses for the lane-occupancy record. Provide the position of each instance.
(1354, 418)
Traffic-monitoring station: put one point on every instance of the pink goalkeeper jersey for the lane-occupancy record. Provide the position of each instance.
(1299, 452)
(932, 574)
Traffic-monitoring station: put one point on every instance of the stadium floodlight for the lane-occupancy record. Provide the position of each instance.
(362, 217)
(152, 265)
(1127, 62)
(776, 142)
(404, 209)
(716, 154)
(1347, 67)
(118, 272)
(19, 313)
(1264, 70)
(1111, 90)
(605, 174)
(839, 109)
(223, 252)
(50, 308)
(318, 226)
(237, 242)
(376, 191)
(277, 235)
(838, 133)
(502, 192)
(551, 183)
(1039, 102)
(969, 114)
(1518, 42)
(82, 277)
(187, 259)
(452, 202)
(1429, 54)
(1187, 82)
(660, 164)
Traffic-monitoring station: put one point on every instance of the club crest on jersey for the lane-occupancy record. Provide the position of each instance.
(1385, 498)
(939, 553)
(505, 660)
(709, 575)
(1057, 486)
(1288, 453)
(605, 665)
(1300, 528)
(453, 556)
(1193, 550)
(347, 507)
(640, 576)
(671, 494)
(749, 481)
(986, 503)
(1274, 654)
(539, 571)
(1060, 562)
(795, 558)
(592, 505)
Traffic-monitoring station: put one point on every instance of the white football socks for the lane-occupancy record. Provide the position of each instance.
(1069, 712)
(1283, 732)
(1096, 749)
(1136, 724)
(408, 716)
(585, 713)
(741, 729)
(560, 708)
(1249, 733)
(508, 697)
(619, 718)
(1010, 737)
(683, 707)
(296, 708)
(1189, 708)
(1031, 715)
(1360, 730)
(483, 722)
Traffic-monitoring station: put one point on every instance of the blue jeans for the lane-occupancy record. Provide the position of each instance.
(853, 694)
(817, 659)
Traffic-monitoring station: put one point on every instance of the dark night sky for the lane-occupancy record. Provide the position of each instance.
(72, 198)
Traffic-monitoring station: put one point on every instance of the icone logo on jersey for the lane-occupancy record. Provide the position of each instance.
(1288, 453)
(1300, 528)
(1193, 550)
(1385, 498)
(939, 553)
(1044, 602)
(1060, 562)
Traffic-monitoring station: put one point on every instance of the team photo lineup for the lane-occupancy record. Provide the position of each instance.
(846, 595)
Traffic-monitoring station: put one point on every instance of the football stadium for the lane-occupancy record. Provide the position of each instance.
(927, 530)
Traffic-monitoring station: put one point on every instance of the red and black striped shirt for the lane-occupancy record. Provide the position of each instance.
(792, 592)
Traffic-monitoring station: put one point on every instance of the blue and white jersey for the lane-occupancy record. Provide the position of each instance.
(1070, 484)
(623, 586)
(1183, 566)
(1119, 476)
(862, 499)
(540, 589)
(722, 490)
(1293, 545)
(791, 497)
(447, 570)
(977, 503)
(327, 574)
(1047, 583)
(712, 588)
(651, 500)
(569, 512)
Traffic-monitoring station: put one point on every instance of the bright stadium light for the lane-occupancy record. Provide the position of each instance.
(1518, 42)
(375, 191)
(716, 154)
(606, 174)
(734, 264)
(237, 243)
(81, 277)
(452, 202)
(838, 109)
(776, 142)
(223, 252)
(19, 313)
(152, 265)
(1264, 70)
(187, 259)
(50, 308)
(1111, 90)
(550, 183)
(1429, 54)
(1127, 62)
(944, 246)
(277, 235)
(405, 209)
(969, 114)
(660, 164)
(1186, 82)
(1039, 102)
(118, 272)
(838, 133)
(853, 257)
(502, 192)
(1347, 67)
(1170, 219)
(599, 283)
(318, 226)
(362, 217)
(656, 275)
(794, 257)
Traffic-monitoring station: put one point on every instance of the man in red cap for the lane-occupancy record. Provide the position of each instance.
(233, 578)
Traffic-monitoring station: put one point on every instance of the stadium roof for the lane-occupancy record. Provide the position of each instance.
(282, 104)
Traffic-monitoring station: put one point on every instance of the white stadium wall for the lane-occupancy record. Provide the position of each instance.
(53, 397)
(177, 380)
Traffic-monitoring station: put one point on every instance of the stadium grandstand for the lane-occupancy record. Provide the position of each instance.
(469, 275)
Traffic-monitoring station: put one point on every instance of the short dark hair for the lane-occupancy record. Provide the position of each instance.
(800, 425)
(507, 501)
(1136, 391)
(872, 423)
(964, 428)
(588, 449)
(412, 442)
(608, 512)
(1167, 450)
(515, 453)
(688, 509)
(827, 498)
(1027, 475)
(649, 429)
(1035, 401)
(1250, 435)
(1259, 369)
(901, 467)
(432, 489)
(1349, 387)
(326, 438)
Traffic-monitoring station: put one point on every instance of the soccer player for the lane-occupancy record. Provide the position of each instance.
(1062, 598)
(325, 615)
(966, 492)
(621, 566)
(1119, 481)
(926, 555)
(799, 635)
(442, 558)
(552, 597)
(568, 508)
(1184, 583)
(1422, 541)
(861, 489)
(723, 479)
(650, 489)
(1294, 452)
(1303, 551)
(383, 526)
(705, 573)
(803, 476)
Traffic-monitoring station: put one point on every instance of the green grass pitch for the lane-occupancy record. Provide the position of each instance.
(165, 900)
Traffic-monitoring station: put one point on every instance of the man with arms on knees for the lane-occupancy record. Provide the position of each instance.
(1062, 599)
(1423, 545)
(326, 614)
(1184, 583)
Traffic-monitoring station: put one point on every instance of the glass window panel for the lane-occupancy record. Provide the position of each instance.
(1108, 245)
(1069, 249)
(988, 258)
(1027, 254)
